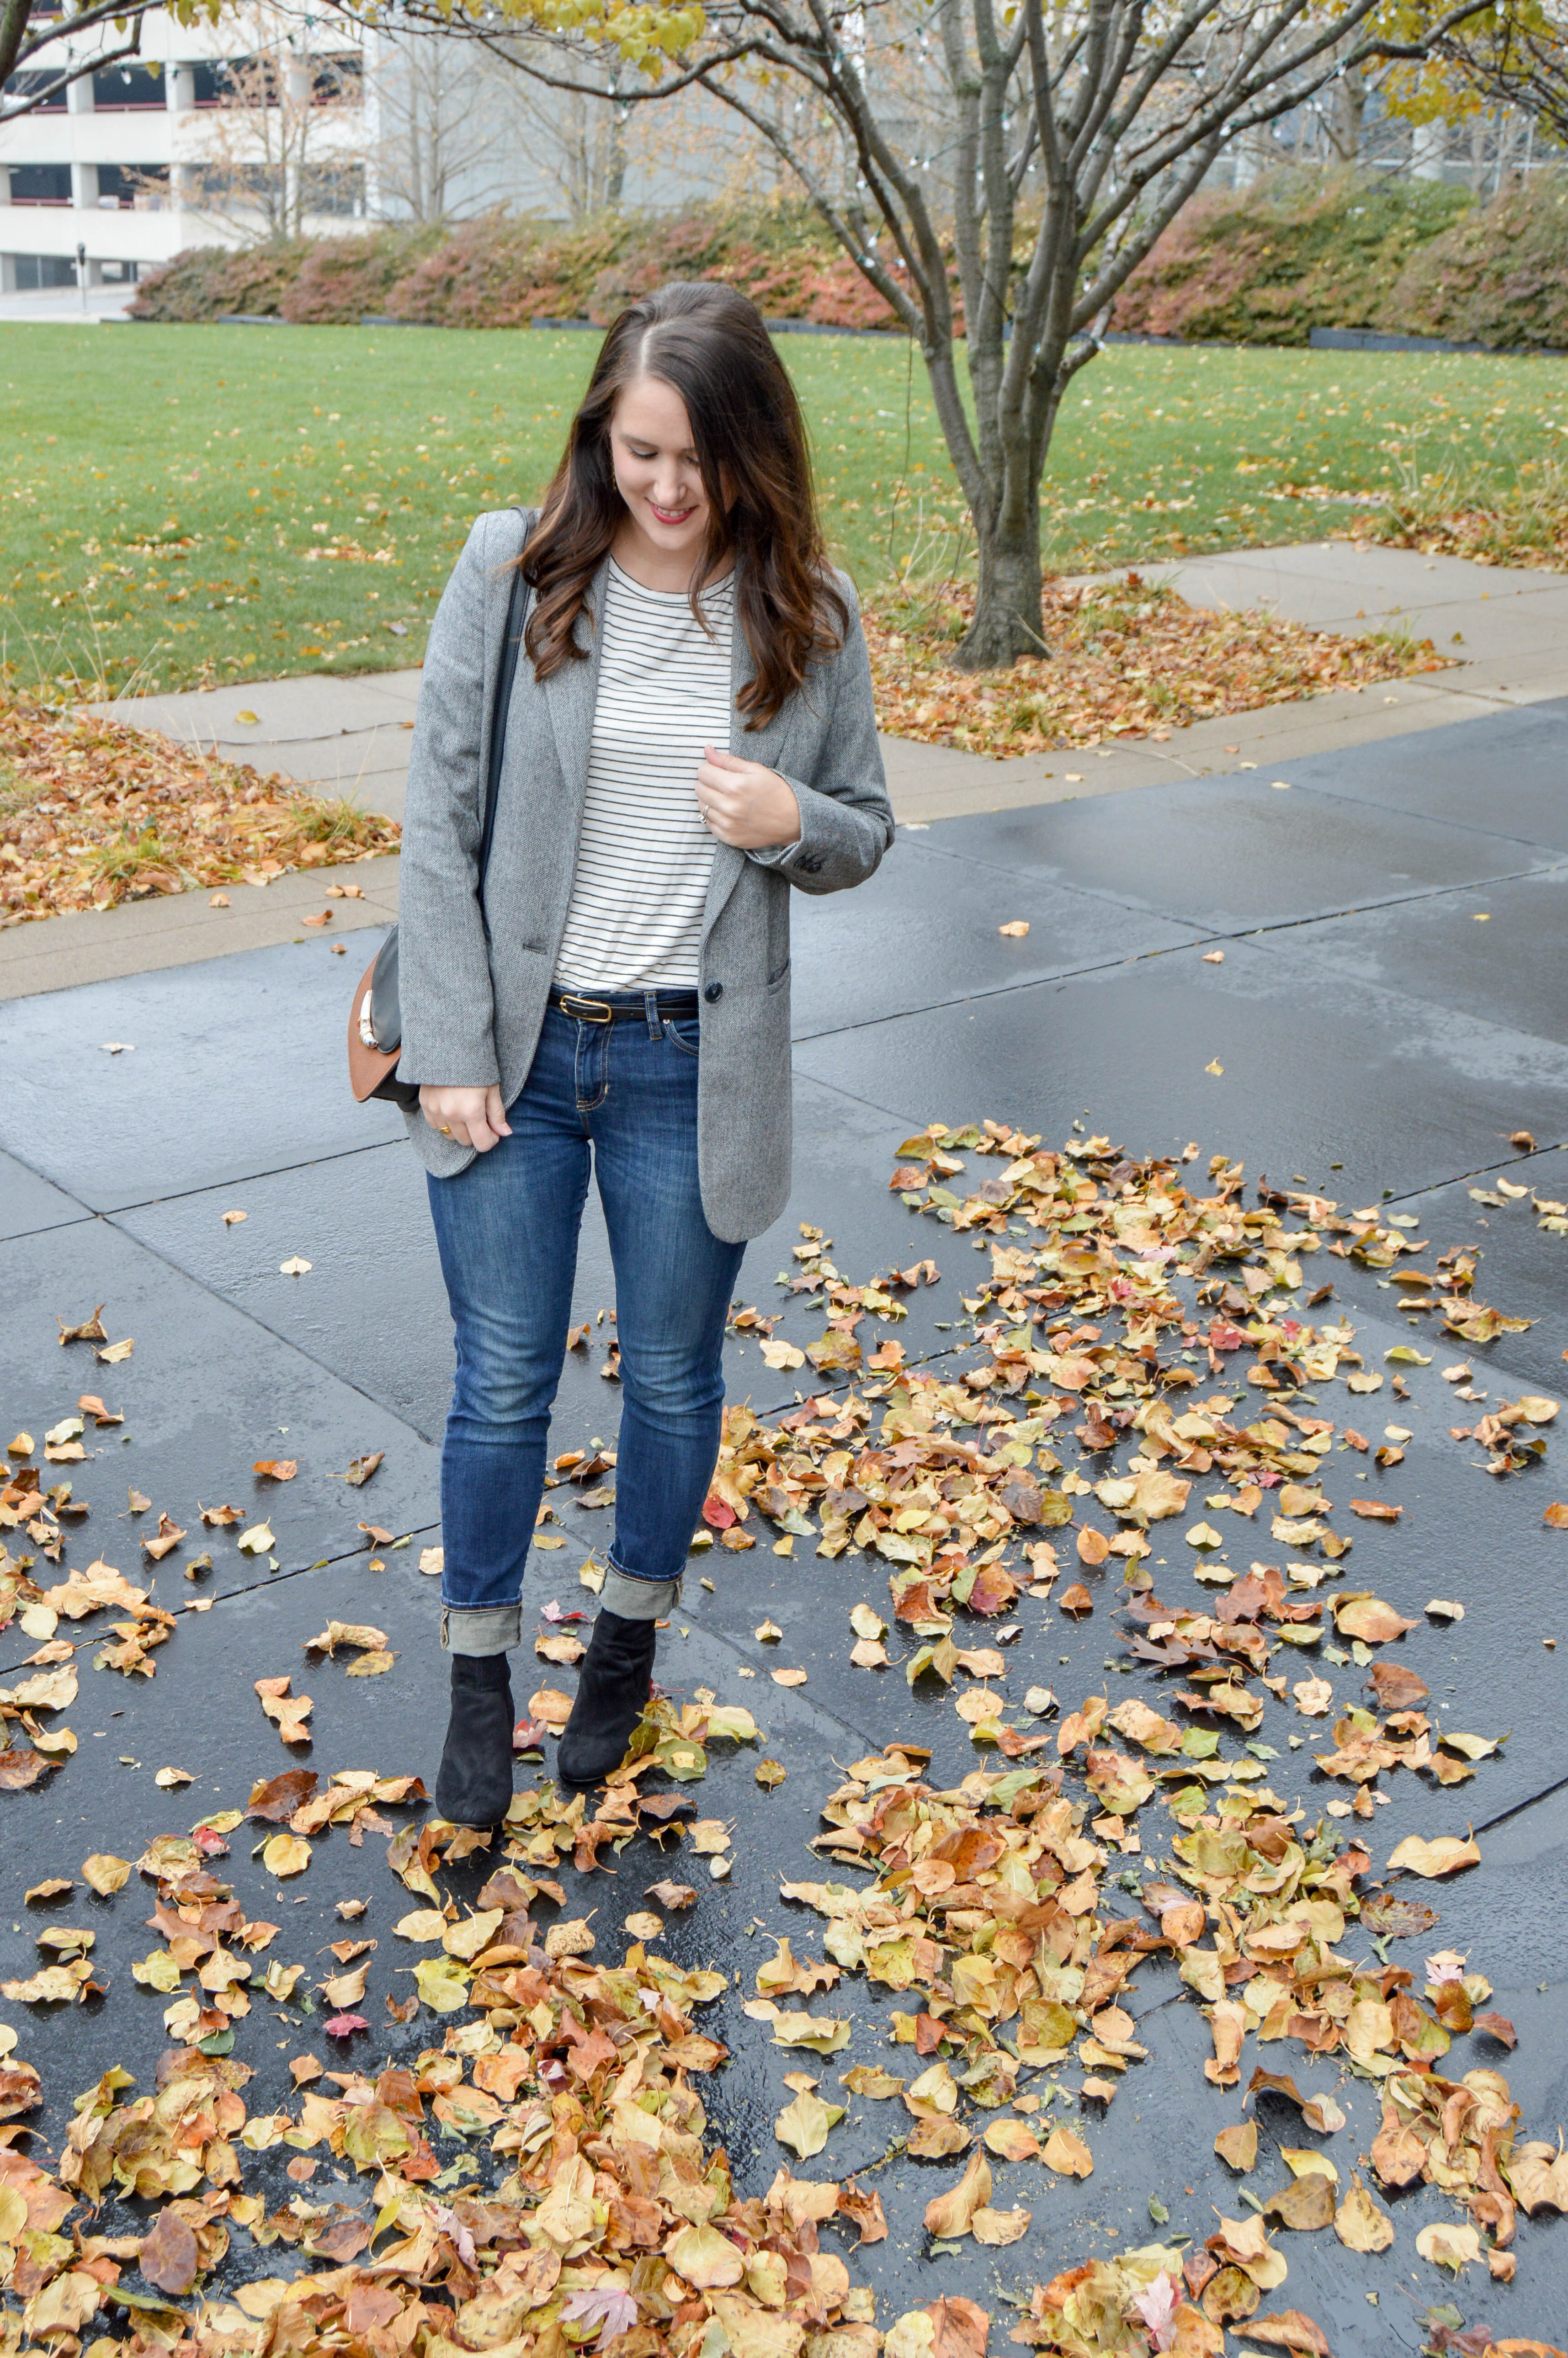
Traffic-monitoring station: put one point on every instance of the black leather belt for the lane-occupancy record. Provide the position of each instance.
(622, 1006)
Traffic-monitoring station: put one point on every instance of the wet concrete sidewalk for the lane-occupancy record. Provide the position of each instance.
(1387, 1014)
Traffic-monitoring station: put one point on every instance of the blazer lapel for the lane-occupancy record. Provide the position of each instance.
(765, 745)
(570, 695)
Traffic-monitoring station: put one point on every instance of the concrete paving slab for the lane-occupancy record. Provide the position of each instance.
(1231, 855)
(234, 1067)
(311, 707)
(1333, 584)
(1518, 1271)
(181, 928)
(926, 929)
(205, 1394)
(1478, 950)
(1315, 1068)
(1505, 773)
(29, 1204)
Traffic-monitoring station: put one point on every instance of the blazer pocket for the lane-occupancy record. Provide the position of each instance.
(777, 982)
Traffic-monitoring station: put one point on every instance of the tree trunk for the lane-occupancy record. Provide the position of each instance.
(1006, 602)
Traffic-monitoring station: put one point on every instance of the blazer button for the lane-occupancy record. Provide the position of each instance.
(712, 991)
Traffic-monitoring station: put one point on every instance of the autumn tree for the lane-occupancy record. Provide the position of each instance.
(1067, 137)
(1516, 54)
(42, 55)
(287, 140)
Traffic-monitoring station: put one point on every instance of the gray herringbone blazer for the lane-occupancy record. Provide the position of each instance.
(472, 1010)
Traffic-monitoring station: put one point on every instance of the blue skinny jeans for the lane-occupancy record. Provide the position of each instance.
(623, 1096)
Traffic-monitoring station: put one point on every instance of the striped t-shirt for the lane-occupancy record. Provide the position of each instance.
(644, 853)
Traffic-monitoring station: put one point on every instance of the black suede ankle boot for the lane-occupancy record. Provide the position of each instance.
(474, 1786)
(612, 1690)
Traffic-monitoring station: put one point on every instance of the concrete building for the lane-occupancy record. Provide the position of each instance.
(136, 162)
(133, 163)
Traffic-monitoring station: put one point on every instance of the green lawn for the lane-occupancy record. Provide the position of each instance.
(162, 487)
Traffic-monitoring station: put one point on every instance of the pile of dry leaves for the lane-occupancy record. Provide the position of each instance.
(1526, 526)
(93, 813)
(997, 1910)
(1127, 659)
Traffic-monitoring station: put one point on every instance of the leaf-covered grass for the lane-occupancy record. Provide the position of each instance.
(190, 504)
(1128, 659)
(1525, 525)
(93, 812)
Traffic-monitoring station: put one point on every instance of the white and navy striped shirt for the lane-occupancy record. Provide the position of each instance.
(644, 853)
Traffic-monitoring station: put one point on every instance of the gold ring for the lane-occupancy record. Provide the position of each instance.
(445, 1130)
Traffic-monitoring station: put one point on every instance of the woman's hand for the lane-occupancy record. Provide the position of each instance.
(745, 804)
(473, 1118)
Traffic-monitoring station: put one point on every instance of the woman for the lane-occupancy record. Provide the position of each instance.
(689, 734)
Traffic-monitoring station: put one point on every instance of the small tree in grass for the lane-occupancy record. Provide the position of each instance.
(1058, 142)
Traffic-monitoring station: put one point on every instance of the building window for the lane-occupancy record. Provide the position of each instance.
(336, 82)
(24, 85)
(133, 188)
(119, 274)
(234, 82)
(217, 184)
(333, 189)
(40, 184)
(120, 90)
(35, 271)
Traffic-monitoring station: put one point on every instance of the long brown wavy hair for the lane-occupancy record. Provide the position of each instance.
(711, 345)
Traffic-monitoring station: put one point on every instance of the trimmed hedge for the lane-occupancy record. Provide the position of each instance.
(206, 281)
(1267, 265)
(1262, 266)
(500, 271)
(1497, 277)
(344, 277)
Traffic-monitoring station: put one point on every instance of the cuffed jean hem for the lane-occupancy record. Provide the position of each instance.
(638, 1600)
(480, 1630)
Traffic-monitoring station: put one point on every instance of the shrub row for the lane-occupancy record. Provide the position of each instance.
(1264, 266)
(1267, 264)
(503, 272)
(1498, 278)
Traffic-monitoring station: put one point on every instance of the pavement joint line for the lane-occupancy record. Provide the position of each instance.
(999, 989)
(288, 1342)
(49, 1229)
(853, 1096)
(1103, 895)
(251, 1178)
(1467, 827)
(1489, 1825)
(248, 1588)
(1426, 892)
(1178, 949)
(1484, 1171)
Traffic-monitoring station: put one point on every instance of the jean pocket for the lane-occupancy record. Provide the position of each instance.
(685, 1032)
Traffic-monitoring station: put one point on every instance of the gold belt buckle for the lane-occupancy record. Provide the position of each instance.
(586, 1010)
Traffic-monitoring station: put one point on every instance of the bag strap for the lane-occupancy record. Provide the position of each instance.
(516, 618)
